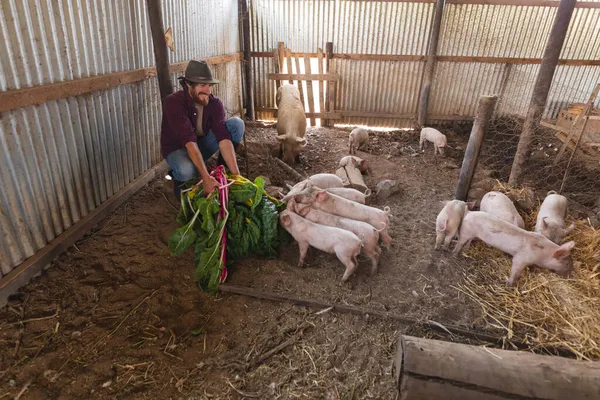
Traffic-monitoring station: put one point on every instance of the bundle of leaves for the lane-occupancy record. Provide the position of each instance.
(243, 211)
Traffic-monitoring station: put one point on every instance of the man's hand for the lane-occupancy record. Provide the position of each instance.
(209, 184)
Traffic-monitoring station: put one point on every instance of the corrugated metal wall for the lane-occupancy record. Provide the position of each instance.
(62, 159)
(402, 28)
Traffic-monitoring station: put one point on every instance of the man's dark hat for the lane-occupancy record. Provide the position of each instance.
(199, 72)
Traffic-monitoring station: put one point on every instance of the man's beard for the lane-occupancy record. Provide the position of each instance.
(202, 99)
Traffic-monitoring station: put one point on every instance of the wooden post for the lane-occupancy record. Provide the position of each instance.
(484, 114)
(433, 369)
(160, 48)
(329, 101)
(431, 61)
(247, 64)
(542, 86)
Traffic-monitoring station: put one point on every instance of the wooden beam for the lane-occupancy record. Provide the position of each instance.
(523, 3)
(330, 96)
(288, 58)
(541, 88)
(321, 85)
(300, 85)
(454, 371)
(19, 276)
(325, 115)
(427, 77)
(19, 98)
(304, 77)
(485, 110)
(247, 65)
(160, 47)
(461, 59)
(309, 91)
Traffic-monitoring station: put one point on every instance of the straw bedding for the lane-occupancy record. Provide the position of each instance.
(544, 310)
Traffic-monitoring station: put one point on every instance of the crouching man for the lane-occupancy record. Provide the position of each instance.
(194, 128)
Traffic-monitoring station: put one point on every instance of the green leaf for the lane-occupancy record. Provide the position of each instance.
(209, 209)
(184, 214)
(209, 262)
(198, 331)
(182, 238)
(260, 185)
(242, 193)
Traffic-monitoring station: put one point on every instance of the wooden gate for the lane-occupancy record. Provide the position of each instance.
(327, 82)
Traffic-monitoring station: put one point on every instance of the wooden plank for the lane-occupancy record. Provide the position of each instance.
(501, 372)
(417, 388)
(288, 58)
(588, 107)
(19, 276)
(323, 115)
(161, 57)
(378, 57)
(277, 69)
(32, 96)
(321, 85)
(300, 84)
(309, 91)
(523, 3)
(305, 77)
(464, 59)
(371, 114)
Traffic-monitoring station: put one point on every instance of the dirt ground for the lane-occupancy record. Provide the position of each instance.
(117, 317)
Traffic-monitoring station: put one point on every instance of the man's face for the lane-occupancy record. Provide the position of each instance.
(200, 92)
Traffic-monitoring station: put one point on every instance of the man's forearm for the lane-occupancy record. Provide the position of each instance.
(228, 154)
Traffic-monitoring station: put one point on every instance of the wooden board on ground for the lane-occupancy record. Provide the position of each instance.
(433, 369)
(352, 177)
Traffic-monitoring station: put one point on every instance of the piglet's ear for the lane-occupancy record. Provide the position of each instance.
(285, 220)
(321, 195)
(564, 250)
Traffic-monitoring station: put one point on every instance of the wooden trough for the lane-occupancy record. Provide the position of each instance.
(428, 369)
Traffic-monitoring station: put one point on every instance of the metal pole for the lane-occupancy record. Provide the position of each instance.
(542, 86)
(160, 48)
(484, 114)
(431, 61)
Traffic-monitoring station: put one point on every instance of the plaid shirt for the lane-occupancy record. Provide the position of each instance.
(179, 121)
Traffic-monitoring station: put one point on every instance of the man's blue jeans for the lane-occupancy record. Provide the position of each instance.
(179, 161)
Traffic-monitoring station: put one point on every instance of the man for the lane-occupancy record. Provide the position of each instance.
(194, 128)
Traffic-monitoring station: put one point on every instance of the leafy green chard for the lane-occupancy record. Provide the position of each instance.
(249, 225)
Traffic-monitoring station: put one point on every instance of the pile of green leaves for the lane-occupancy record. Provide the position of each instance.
(251, 224)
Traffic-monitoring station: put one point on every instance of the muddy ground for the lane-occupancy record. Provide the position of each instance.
(117, 317)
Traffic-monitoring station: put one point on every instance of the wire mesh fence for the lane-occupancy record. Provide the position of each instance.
(575, 174)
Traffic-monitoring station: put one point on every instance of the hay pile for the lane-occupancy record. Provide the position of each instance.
(544, 310)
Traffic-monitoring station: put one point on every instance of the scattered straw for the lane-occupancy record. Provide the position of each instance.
(546, 311)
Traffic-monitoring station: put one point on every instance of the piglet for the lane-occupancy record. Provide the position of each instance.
(551, 217)
(526, 248)
(448, 221)
(356, 162)
(358, 138)
(346, 245)
(351, 194)
(499, 205)
(434, 136)
(323, 181)
(368, 235)
(337, 205)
